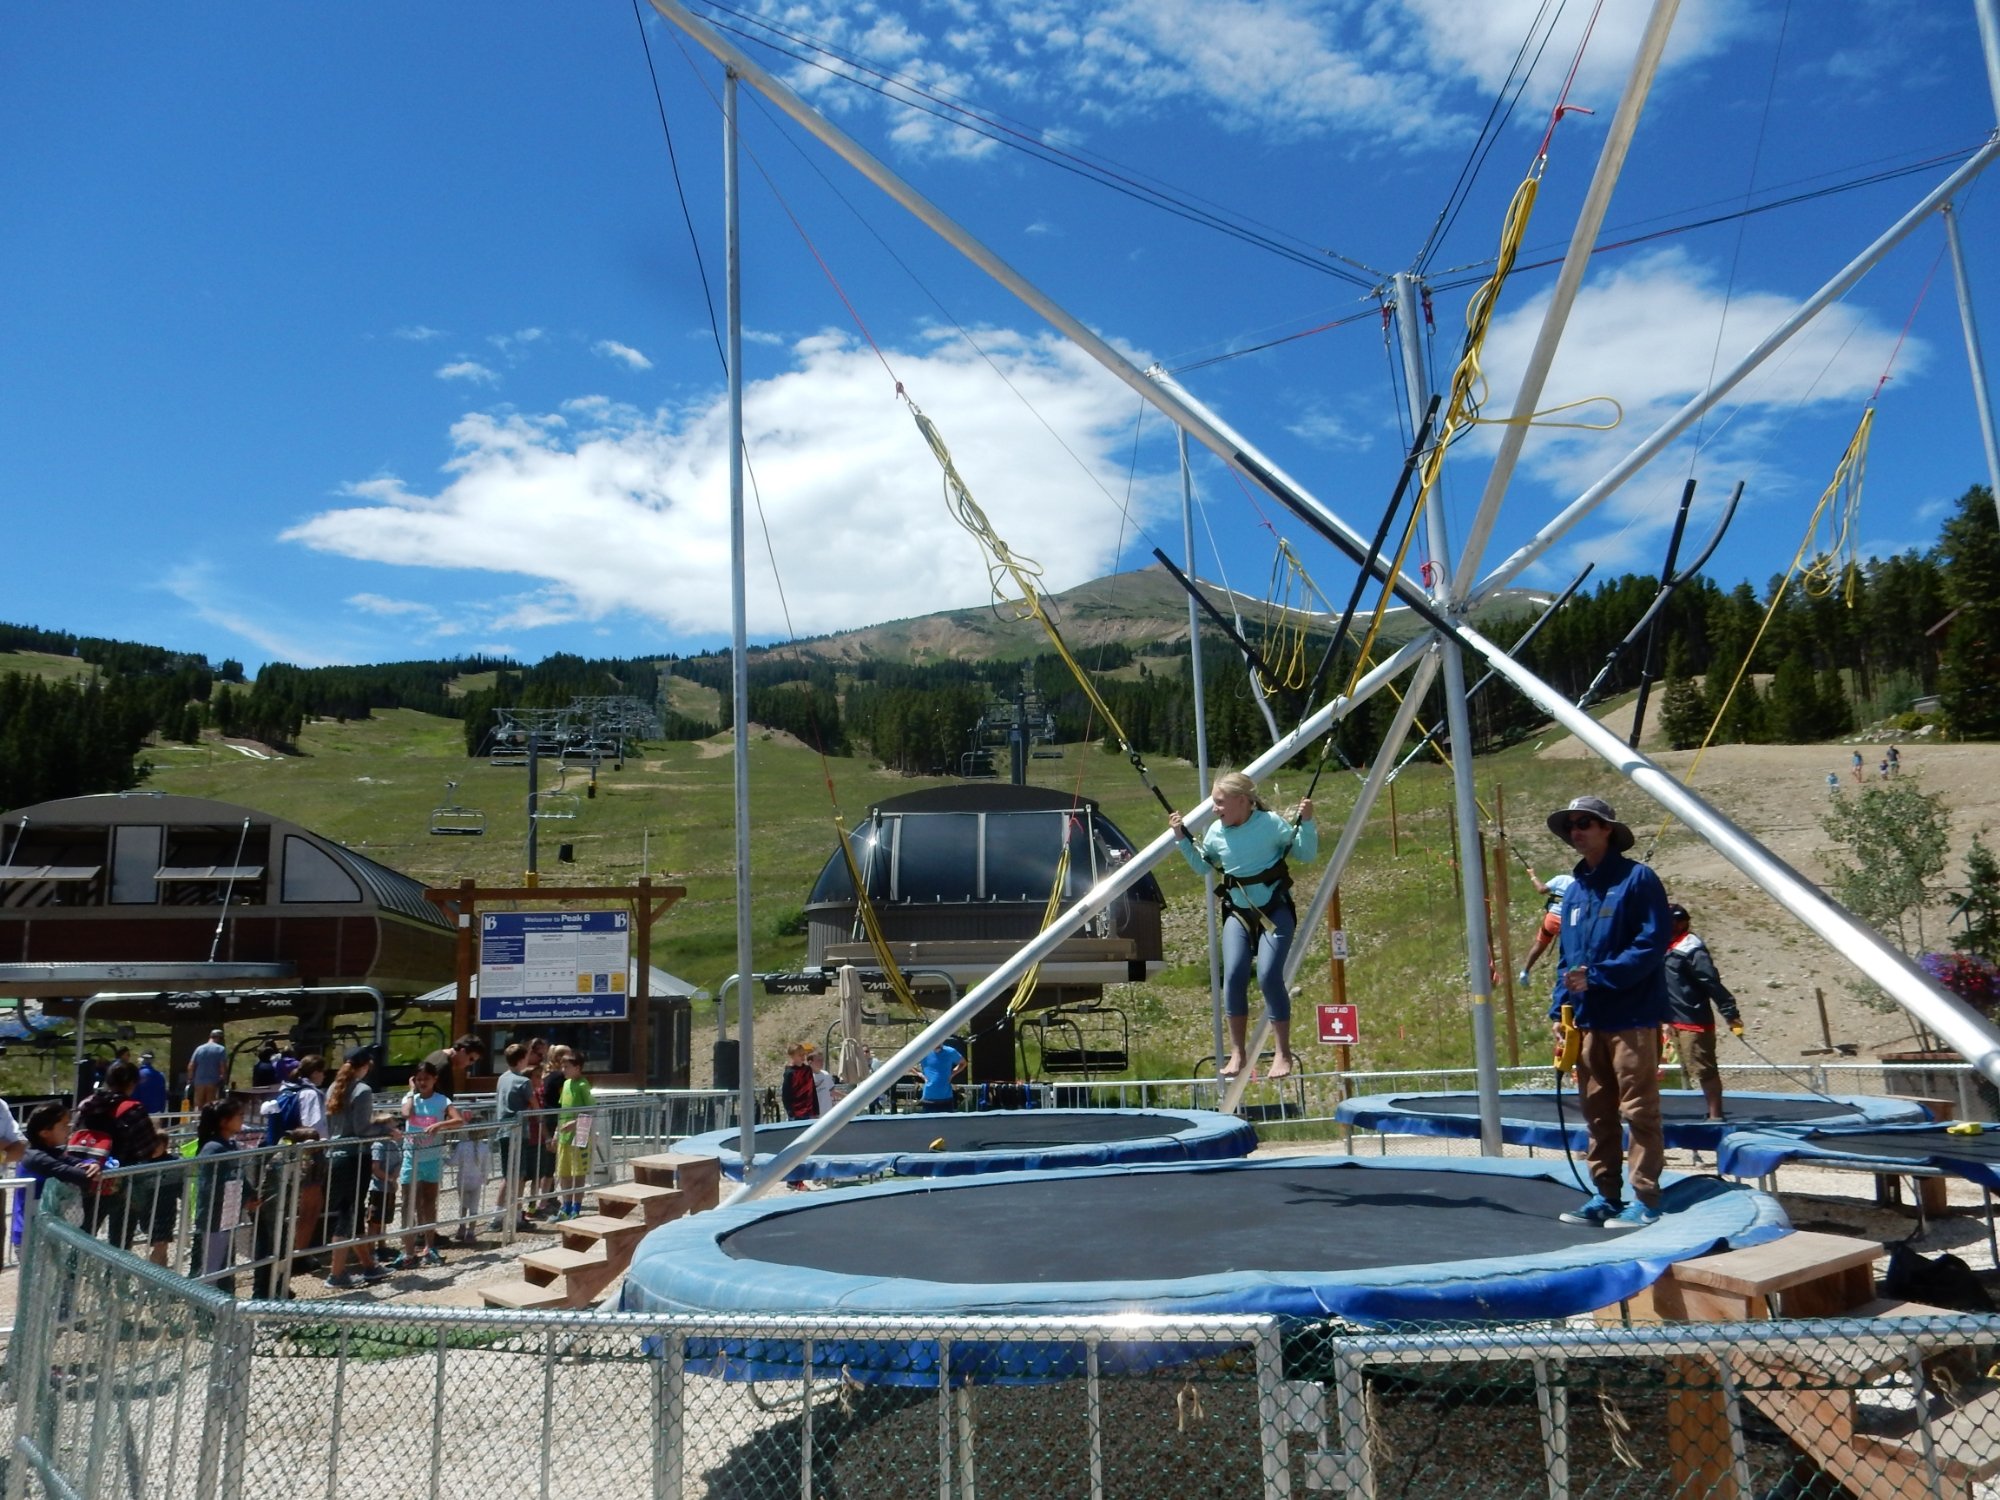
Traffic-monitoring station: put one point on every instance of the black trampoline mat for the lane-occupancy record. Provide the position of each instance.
(1677, 1106)
(1146, 1226)
(1004, 1130)
(1910, 1145)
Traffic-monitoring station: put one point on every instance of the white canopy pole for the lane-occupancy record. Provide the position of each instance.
(1982, 402)
(1960, 1027)
(759, 1179)
(1582, 241)
(1686, 417)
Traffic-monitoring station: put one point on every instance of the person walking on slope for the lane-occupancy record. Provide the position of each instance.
(1615, 931)
(1247, 845)
(1550, 927)
(1695, 992)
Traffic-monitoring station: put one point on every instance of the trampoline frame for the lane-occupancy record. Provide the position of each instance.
(1214, 1137)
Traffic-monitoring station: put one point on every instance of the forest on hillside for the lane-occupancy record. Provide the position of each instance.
(1809, 657)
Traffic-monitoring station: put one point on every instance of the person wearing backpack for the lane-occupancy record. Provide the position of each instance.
(113, 1129)
(296, 1113)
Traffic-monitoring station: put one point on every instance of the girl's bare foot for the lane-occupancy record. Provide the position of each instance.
(1234, 1066)
(1281, 1066)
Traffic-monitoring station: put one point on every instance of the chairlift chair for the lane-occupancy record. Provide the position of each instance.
(1084, 1041)
(557, 803)
(452, 819)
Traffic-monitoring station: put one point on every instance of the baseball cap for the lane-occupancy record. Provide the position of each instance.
(358, 1055)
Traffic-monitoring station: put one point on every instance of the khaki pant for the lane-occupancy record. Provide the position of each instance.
(1696, 1051)
(1618, 1082)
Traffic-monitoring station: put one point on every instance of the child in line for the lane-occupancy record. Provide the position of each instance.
(472, 1157)
(426, 1112)
(573, 1135)
(45, 1160)
(385, 1166)
(222, 1191)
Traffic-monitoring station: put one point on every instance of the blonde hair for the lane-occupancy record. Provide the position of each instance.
(1235, 783)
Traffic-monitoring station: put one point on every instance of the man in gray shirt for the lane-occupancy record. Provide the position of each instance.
(208, 1070)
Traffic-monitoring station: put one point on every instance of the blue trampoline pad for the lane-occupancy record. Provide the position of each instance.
(1415, 1239)
(1529, 1117)
(1877, 1148)
(999, 1140)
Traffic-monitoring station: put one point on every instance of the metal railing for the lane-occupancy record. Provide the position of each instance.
(300, 1203)
(129, 1381)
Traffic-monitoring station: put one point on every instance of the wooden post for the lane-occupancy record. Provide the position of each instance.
(642, 1017)
(1336, 973)
(1825, 1030)
(1504, 918)
(468, 956)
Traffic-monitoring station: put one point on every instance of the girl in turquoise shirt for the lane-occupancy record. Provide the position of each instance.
(1247, 845)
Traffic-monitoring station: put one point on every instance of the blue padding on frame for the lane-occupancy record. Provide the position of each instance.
(683, 1268)
(1210, 1137)
(1406, 1114)
(1758, 1153)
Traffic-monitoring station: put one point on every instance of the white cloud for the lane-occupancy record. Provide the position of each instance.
(377, 604)
(196, 586)
(467, 369)
(616, 510)
(1326, 429)
(418, 333)
(1379, 69)
(508, 343)
(1648, 335)
(625, 354)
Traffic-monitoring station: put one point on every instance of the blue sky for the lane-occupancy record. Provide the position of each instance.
(371, 333)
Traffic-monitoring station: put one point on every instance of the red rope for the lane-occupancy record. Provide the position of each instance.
(1563, 106)
(1922, 292)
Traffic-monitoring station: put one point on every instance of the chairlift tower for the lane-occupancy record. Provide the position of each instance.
(1019, 723)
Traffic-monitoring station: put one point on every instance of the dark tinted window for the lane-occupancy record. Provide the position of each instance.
(937, 857)
(871, 844)
(1021, 854)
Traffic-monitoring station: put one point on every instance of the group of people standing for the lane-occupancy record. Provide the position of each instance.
(347, 1193)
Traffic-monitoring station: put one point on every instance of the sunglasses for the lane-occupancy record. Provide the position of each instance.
(1584, 821)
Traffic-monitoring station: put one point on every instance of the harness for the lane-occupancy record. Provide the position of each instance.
(1249, 913)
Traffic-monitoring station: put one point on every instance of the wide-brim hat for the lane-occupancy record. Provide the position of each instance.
(1597, 807)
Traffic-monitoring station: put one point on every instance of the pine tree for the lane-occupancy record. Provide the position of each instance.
(1683, 714)
(1980, 905)
(1969, 549)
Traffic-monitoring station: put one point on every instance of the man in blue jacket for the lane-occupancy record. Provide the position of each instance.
(1615, 932)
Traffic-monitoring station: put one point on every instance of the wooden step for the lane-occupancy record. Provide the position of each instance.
(522, 1296)
(1804, 1364)
(619, 1237)
(1967, 1441)
(638, 1200)
(579, 1274)
(699, 1177)
(1800, 1275)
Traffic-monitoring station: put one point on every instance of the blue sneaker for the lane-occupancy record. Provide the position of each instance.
(1634, 1215)
(1596, 1212)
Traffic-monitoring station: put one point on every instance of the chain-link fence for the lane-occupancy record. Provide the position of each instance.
(132, 1382)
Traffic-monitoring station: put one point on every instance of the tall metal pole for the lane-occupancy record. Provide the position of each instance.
(739, 629)
(1988, 12)
(1582, 241)
(1674, 426)
(1458, 724)
(1982, 400)
(1200, 739)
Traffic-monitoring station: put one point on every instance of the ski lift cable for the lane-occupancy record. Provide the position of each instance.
(1742, 226)
(1497, 115)
(1035, 142)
